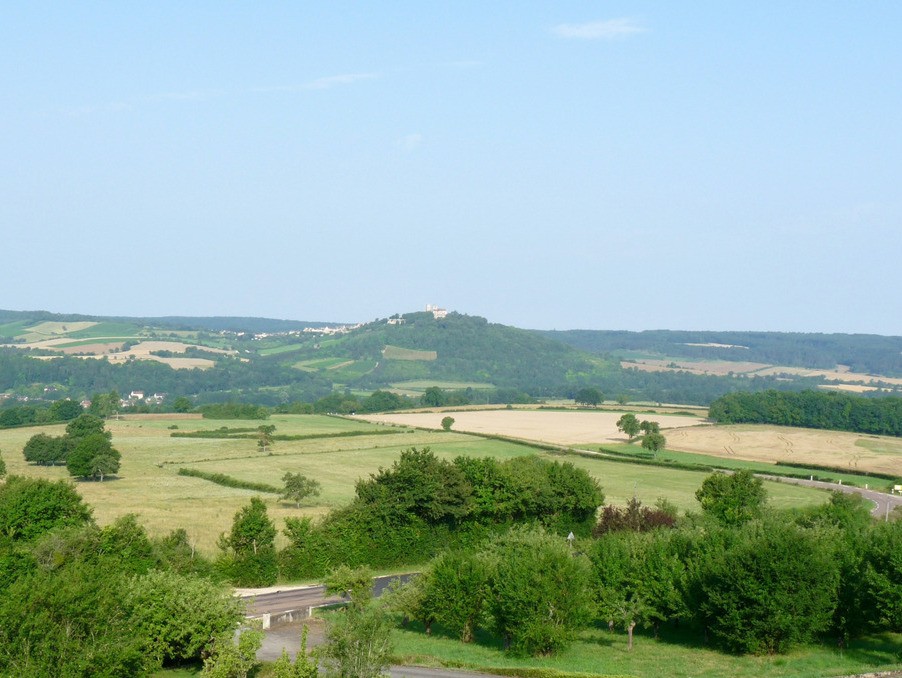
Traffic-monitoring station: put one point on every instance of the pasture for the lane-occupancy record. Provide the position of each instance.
(149, 484)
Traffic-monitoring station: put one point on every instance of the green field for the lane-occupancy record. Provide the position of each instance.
(150, 486)
(740, 464)
(108, 329)
(600, 653)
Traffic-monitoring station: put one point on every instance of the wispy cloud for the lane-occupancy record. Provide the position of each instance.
(339, 80)
(609, 29)
(327, 82)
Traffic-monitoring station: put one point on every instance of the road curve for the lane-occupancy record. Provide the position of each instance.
(883, 503)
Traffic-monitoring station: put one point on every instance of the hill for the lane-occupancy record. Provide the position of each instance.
(51, 356)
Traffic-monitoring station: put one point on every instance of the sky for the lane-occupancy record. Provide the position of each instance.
(555, 165)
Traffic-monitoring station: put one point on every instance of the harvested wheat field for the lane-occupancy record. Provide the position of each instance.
(854, 451)
(561, 428)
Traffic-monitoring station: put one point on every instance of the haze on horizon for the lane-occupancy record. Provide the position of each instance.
(565, 165)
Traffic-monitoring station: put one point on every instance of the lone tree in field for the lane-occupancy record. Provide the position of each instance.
(264, 436)
(653, 442)
(590, 397)
(298, 487)
(629, 425)
(447, 423)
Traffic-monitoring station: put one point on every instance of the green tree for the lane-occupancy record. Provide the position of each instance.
(447, 423)
(304, 666)
(250, 546)
(181, 404)
(590, 397)
(298, 487)
(434, 397)
(629, 425)
(653, 442)
(179, 614)
(650, 427)
(418, 484)
(230, 659)
(64, 410)
(265, 436)
(732, 499)
(540, 594)
(457, 591)
(93, 457)
(85, 425)
(882, 576)
(45, 450)
(358, 643)
(774, 587)
(30, 507)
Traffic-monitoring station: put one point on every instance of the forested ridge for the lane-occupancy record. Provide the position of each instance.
(865, 353)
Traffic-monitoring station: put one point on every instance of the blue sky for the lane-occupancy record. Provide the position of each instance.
(602, 165)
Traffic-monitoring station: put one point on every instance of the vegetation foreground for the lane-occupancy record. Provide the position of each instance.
(520, 570)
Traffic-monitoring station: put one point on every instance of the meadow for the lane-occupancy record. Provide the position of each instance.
(675, 653)
(149, 484)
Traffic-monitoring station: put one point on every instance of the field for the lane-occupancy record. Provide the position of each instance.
(562, 428)
(398, 353)
(848, 381)
(599, 652)
(149, 484)
(853, 451)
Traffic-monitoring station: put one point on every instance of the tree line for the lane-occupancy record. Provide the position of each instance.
(748, 579)
(408, 512)
(811, 409)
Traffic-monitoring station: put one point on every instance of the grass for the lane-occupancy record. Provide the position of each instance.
(285, 348)
(676, 653)
(740, 464)
(881, 445)
(14, 329)
(107, 329)
(149, 484)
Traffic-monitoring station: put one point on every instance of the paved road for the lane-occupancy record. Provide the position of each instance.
(278, 600)
(883, 503)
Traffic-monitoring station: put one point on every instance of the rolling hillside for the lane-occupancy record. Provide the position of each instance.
(49, 356)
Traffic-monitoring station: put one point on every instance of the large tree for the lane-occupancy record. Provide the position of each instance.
(629, 425)
(93, 457)
(774, 587)
(588, 396)
(46, 450)
(250, 546)
(732, 499)
(29, 507)
(540, 594)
